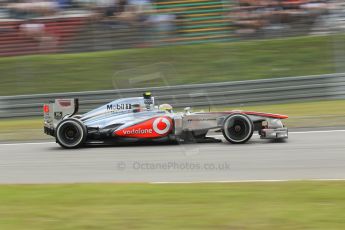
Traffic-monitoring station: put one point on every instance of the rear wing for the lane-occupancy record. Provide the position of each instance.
(57, 110)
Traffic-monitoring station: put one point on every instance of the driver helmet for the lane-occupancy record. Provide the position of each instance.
(165, 107)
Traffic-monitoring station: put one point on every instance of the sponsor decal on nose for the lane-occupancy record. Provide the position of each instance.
(161, 125)
(152, 128)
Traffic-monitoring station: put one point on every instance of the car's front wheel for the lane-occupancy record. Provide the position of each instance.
(71, 133)
(238, 128)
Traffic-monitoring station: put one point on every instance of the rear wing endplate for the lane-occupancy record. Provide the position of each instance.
(58, 109)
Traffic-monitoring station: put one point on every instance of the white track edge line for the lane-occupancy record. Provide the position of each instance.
(242, 181)
(27, 143)
(319, 131)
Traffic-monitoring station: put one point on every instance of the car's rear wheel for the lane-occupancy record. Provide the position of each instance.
(238, 128)
(71, 133)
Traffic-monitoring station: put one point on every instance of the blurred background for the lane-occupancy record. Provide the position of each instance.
(216, 29)
(69, 26)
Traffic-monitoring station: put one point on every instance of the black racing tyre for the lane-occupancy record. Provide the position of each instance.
(238, 128)
(71, 133)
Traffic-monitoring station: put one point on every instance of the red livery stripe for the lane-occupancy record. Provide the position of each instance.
(270, 115)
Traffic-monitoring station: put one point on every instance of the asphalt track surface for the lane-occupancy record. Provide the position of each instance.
(305, 155)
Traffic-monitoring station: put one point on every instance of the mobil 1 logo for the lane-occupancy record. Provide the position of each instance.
(118, 107)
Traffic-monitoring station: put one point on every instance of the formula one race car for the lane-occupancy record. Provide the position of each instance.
(138, 119)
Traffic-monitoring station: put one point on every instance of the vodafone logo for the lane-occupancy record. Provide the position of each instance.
(137, 131)
(161, 125)
(152, 128)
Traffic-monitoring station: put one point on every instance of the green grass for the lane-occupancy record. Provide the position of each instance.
(288, 205)
(303, 114)
(168, 65)
(22, 129)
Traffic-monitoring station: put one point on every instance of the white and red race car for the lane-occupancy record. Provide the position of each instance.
(138, 119)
